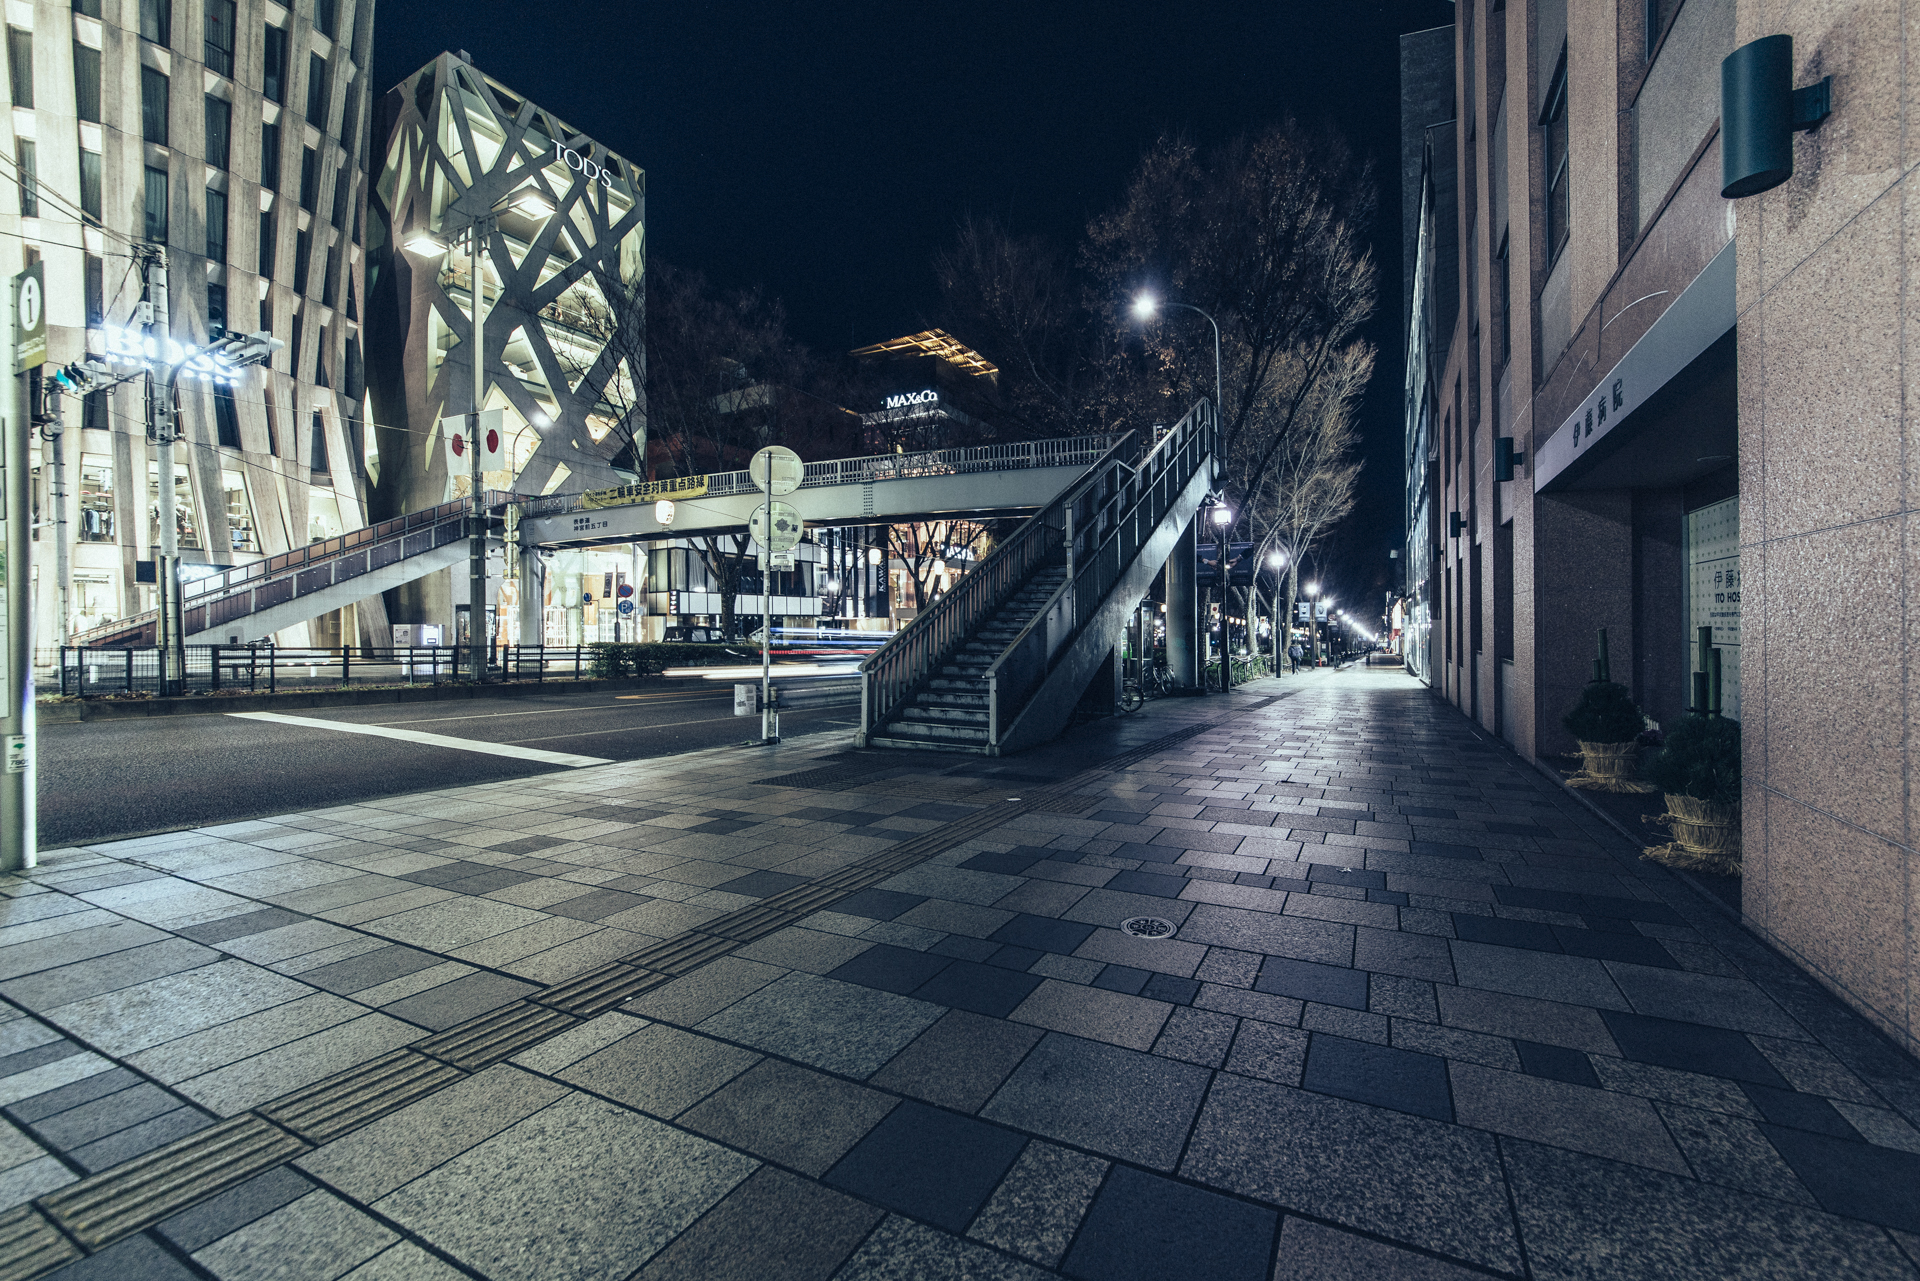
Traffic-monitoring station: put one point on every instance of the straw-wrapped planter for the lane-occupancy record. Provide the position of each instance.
(1699, 770)
(1607, 724)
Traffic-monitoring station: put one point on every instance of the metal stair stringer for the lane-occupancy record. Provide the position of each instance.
(1049, 708)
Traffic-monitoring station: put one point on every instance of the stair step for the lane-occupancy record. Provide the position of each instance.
(972, 699)
(929, 731)
(925, 745)
(922, 715)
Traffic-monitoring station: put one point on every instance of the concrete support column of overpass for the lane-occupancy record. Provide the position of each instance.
(533, 591)
(1183, 613)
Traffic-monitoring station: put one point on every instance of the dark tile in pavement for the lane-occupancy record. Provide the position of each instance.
(790, 1115)
(238, 927)
(137, 1139)
(137, 1258)
(1800, 1111)
(1504, 933)
(890, 968)
(103, 1116)
(1122, 978)
(773, 1227)
(1110, 1100)
(1148, 853)
(720, 827)
(1011, 862)
(1311, 981)
(229, 1211)
(1691, 1047)
(1423, 811)
(369, 969)
(938, 810)
(1440, 849)
(442, 1007)
(1009, 957)
(51, 1052)
(1315, 1252)
(1148, 883)
(963, 948)
(958, 1062)
(595, 905)
(1609, 946)
(983, 989)
(1166, 987)
(1432, 1185)
(1397, 898)
(494, 878)
(533, 844)
(1145, 1228)
(929, 1163)
(457, 870)
(1343, 876)
(1118, 816)
(1859, 1180)
(1586, 1216)
(53, 1102)
(1611, 925)
(1380, 1075)
(1556, 1063)
(760, 884)
(1042, 932)
(660, 1069)
(1631, 909)
(878, 905)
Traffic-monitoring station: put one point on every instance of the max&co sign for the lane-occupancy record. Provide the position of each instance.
(908, 399)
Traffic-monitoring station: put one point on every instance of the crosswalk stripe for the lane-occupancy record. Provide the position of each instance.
(512, 750)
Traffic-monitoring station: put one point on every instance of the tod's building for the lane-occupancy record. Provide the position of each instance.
(1660, 379)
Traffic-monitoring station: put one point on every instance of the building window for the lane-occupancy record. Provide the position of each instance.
(93, 411)
(1553, 121)
(226, 419)
(319, 461)
(86, 82)
(328, 290)
(156, 21)
(293, 358)
(186, 523)
(87, 8)
(317, 92)
(340, 188)
(239, 510)
(320, 378)
(96, 290)
(324, 17)
(219, 132)
(219, 36)
(302, 257)
(273, 65)
(90, 184)
(156, 206)
(96, 491)
(216, 225)
(1503, 299)
(267, 246)
(26, 156)
(153, 106)
(216, 312)
(270, 157)
(309, 178)
(323, 516)
(20, 65)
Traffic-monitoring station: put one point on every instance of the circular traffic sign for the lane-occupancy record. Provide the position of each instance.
(30, 313)
(776, 527)
(626, 607)
(776, 470)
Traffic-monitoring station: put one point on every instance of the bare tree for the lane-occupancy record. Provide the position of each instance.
(923, 546)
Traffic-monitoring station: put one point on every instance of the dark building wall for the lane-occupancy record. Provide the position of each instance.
(1426, 98)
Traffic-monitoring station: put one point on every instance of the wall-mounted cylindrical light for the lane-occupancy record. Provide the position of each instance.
(1760, 111)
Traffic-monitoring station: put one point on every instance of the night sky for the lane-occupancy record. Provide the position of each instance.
(826, 158)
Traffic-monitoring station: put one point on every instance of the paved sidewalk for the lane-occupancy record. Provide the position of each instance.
(1421, 1015)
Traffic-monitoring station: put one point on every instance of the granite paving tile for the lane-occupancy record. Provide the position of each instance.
(659, 1069)
(959, 1061)
(1039, 1205)
(706, 991)
(326, 1235)
(1598, 1122)
(774, 1227)
(903, 1250)
(824, 1023)
(1315, 1252)
(1135, 1107)
(1143, 1227)
(936, 1165)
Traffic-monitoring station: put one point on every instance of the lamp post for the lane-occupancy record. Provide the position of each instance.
(1222, 518)
(478, 226)
(1144, 307)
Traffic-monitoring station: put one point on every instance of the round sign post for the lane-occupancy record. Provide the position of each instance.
(776, 471)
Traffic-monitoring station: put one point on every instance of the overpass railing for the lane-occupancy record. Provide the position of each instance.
(893, 673)
(1064, 451)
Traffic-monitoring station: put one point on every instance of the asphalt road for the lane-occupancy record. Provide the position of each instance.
(102, 780)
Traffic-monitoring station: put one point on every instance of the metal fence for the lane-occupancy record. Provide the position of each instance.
(267, 669)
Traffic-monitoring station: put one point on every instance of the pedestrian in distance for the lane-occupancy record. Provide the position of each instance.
(1294, 655)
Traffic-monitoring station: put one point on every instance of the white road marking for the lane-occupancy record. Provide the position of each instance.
(550, 711)
(512, 750)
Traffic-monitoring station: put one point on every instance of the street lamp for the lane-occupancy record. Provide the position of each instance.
(533, 203)
(1144, 307)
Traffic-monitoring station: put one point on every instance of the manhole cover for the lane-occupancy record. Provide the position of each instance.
(1147, 927)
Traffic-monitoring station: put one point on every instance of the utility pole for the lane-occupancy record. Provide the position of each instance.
(161, 429)
(19, 837)
(477, 550)
(52, 424)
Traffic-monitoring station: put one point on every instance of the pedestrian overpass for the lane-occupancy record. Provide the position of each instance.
(1103, 519)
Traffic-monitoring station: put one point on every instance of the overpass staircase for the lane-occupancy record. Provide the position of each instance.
(1000, 663)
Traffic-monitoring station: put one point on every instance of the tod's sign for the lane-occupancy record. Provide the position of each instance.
(581, 165)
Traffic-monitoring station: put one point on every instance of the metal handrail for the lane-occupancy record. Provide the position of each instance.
(1062, 451)
(894, 672)
(1104, 542)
